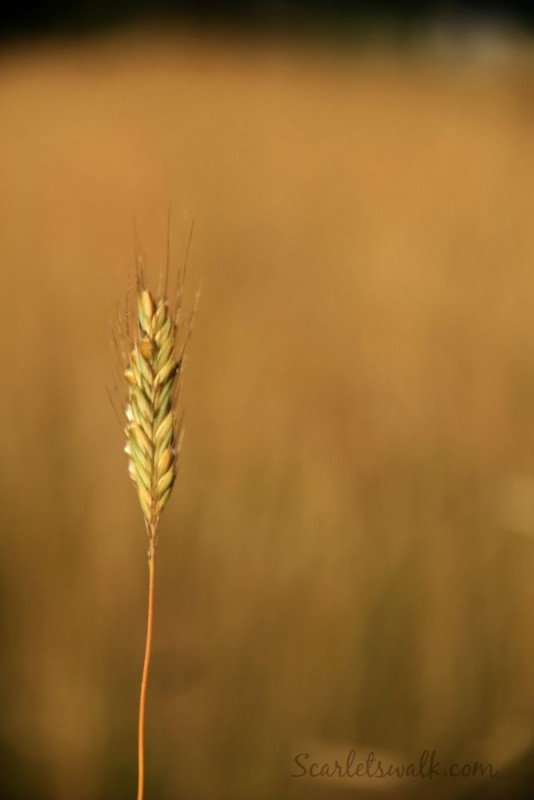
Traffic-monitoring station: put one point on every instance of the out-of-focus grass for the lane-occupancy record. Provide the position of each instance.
(347, 559)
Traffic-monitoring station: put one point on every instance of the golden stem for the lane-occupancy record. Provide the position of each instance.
(148, 646)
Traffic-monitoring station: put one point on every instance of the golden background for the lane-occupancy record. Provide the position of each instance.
(346, 561)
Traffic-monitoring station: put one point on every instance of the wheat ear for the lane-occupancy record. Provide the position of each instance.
(151, 424)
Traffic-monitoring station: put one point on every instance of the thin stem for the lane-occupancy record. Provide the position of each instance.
(141, 742)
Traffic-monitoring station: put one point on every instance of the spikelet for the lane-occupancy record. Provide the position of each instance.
(152, 375)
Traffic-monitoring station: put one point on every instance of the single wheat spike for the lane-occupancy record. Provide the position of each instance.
(153, 371)
(152, 377)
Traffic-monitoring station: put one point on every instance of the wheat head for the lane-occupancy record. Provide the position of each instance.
(152, 377)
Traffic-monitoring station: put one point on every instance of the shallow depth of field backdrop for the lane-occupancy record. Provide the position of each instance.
(346, 561)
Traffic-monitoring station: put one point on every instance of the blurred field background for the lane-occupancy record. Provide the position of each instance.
(346, 562)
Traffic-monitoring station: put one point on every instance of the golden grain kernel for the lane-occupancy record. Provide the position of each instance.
(146, 347)
(147, 303)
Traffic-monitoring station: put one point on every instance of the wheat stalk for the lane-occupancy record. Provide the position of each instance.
(151, 377)
(153, 373)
